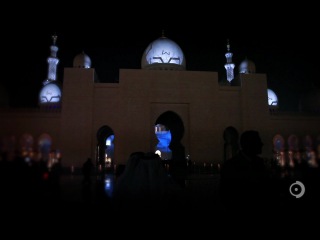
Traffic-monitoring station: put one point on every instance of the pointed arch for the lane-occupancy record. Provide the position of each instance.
(105, 148)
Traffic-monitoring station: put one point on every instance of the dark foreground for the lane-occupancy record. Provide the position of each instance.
(199, 197)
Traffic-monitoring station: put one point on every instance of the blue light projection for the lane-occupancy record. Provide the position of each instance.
(108, 184)
(109, 140)
(164, 137)
(109, 151)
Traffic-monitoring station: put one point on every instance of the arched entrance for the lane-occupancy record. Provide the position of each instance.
(105, 149)
(171, 122)
(169, 130)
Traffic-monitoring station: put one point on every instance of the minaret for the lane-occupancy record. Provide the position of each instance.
(52, 62)
(50, 93)
(229, 66)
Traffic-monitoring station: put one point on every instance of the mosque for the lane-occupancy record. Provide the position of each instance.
(162, 107)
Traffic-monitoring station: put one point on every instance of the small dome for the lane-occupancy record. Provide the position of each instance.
(82, 60)
(272, 98)
(165, 54)
(247, 66)
(50, 93)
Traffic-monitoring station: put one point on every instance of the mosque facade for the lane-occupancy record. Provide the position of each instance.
(161, 108)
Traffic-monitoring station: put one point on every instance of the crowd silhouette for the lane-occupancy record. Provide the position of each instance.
(247, 183)
(145, 184)
(252, 184)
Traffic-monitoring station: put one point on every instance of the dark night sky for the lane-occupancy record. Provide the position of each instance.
(282, 46)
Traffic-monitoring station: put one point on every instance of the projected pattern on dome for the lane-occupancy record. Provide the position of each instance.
(272, 98)
(164, 52)
(50, 93)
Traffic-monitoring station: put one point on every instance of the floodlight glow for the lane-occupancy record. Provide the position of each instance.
(158, 152)
(108, 185)
(109, 140)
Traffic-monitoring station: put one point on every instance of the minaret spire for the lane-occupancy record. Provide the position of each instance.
(162, 34)
(229, 66)
(52, 62)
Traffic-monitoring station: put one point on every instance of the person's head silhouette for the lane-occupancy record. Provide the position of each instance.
(250, 143)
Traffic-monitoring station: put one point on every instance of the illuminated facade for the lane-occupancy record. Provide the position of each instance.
(161, 106)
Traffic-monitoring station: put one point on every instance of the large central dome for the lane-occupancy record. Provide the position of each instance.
(163, 54)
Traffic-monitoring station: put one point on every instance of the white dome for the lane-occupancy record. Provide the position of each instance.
(247, 66)
(50, 93)
(82, 60)
(163, 53)
(272, 98)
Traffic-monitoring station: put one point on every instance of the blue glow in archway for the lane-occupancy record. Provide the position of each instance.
(164, 139)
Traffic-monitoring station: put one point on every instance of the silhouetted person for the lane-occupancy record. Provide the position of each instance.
(145, 185)
(178, 168)
(244, 183)
(87, 169)
(54, 179)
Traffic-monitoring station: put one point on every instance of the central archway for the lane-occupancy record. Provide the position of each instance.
(173, 127)
(105, 149)
(173, 123)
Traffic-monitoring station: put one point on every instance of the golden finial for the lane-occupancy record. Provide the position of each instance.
(54, 39)
(228, 45)
(162, 34)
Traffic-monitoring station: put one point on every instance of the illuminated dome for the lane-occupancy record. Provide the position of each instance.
(82, 60)
(50, 93)
(247, 66)
(310, 102)
(272, 98)
(163, 54)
